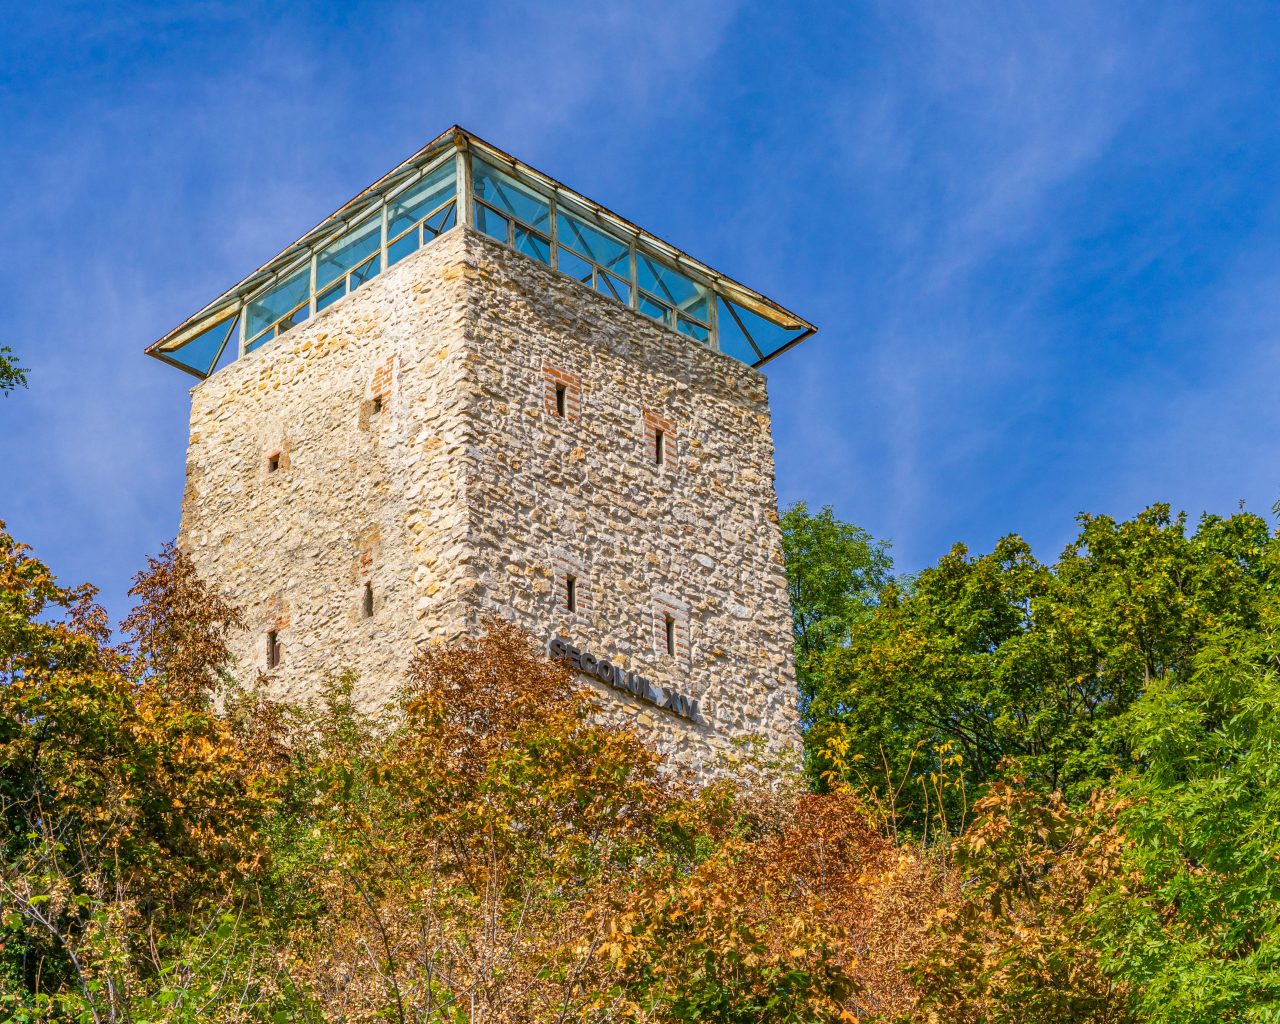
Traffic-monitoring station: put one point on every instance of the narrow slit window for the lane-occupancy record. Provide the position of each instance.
(377, 404)
(366, 606)
(561, 399)
(273, 649)
(670, 624)
(571, 593)
(659, 447)
(273, 462)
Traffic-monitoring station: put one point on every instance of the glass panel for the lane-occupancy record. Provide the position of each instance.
(729, 336)
(410, 207)
(365, 272)
(768, 336)
(698, 308)
(441, 221)
(614, 287)
(328, 298)
(402, 247)
(356, 245)
(201, 352)
(695, 330)
(672, 287)
(230, 351)
(271, 306)
(534, 245)
(574, 266)
(652, 307)
(491, 223)
(504, 193)
(600, 248)
(293, 319)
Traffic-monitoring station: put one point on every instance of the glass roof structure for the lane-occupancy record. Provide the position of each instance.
(460, 179)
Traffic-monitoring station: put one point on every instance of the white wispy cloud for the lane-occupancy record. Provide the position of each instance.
(179, 147)
(962, 141)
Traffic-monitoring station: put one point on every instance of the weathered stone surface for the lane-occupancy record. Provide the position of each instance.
(419, 452)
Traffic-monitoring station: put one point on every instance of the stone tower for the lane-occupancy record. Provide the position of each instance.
(472, 391)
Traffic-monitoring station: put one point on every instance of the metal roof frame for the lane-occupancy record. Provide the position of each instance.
(402, 176)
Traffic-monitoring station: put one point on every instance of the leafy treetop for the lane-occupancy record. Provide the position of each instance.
(1000, 656)
(11, 374)
(835, 572)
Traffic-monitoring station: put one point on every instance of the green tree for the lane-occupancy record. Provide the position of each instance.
(11, 374)
(835, 572)
(1159, 899)
(1197, 929)
(126, 813)
(1000, 656)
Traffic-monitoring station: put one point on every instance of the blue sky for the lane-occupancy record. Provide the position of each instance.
(1040, 240)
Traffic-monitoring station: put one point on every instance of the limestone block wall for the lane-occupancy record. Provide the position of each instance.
(408, 440)
(363, 409)
(696, 536)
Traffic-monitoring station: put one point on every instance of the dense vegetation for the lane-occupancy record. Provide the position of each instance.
(1034, 793)
(1093, 743)
(175, 848)
(1043, 793)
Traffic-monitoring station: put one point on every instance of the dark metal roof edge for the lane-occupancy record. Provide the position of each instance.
(173, 362)
(789, 345)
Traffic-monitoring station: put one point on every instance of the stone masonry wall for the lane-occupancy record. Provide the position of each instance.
(364, 405)
(696, 537)
(407, 440)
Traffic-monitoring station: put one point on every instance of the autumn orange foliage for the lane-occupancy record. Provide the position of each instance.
(179, 848)
(1018, 948)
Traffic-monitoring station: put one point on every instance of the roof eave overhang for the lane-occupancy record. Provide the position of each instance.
(460, 138)
(731, 289)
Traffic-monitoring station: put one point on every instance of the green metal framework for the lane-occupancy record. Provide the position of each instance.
(460, 179)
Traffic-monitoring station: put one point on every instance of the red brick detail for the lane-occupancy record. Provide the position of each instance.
(276, 460)
(553, 379)
(667, 609)
(275, 616)
(383, 377)
(366, 554)
(564, 569)
(655, 423)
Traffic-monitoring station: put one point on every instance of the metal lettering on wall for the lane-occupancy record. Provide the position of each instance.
(627, 682)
